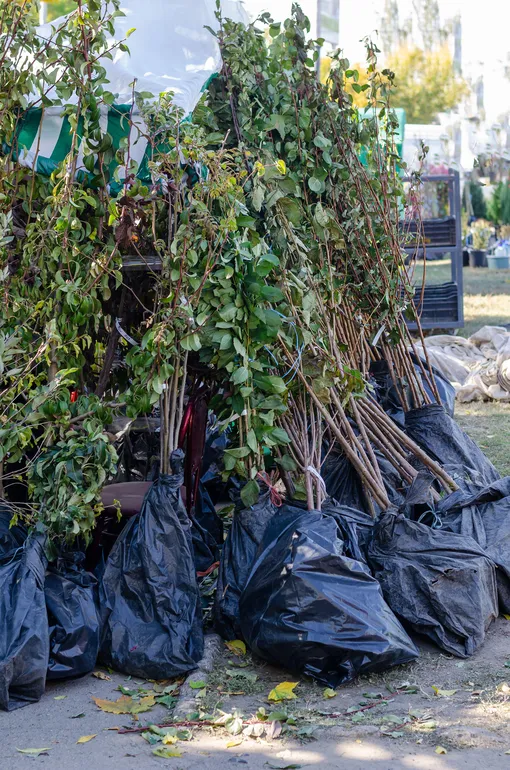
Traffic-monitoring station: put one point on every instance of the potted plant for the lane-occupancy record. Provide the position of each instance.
(481, 232)
(500, 258)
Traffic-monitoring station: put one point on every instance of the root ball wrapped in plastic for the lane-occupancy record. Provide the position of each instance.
(310, 606)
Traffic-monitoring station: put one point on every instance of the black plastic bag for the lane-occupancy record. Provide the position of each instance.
(205, 514)
(73, 617)
(10, 537)
(246, 532)
(439, 582)
(389, 398)
(149, 598)
(485, 517)
(344, 484)
(24, 638)
(442, 439)
(207, 532)
(311, 607)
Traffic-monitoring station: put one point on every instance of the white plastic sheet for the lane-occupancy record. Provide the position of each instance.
(170, 50)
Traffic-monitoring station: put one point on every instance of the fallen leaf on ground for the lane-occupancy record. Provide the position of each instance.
(440, 750)
(169, 740)
(283, 691)
(232, 744)
(60, 697)
(283, 767)
(86, 738)
(507, 617)
(504, 687)
(277, 716)
(328, 693)
(150, 737)
(78, 716)
(273, 730)
(443, 693)
(254, 731)
(101, 675)
(429, 724)
(237, 647)
(126, 705)
(166, 753)
(198, 685)
(249, 676)
(165, 689)
(34, 752)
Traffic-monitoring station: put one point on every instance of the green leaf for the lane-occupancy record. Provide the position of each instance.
(238, 345)
(198, 685)
(240, 375)
(243, 220)
(291, 209)
(267, 263)
(322, 142)
(287, 463)
(270, 383)
(226, 342)
(251, 440)
(238, 452)
(277, 716)
(329, 693)
(191, 342)
(271, 294)
(250, 493)
(276, 122)
(257, 197)
(280, 435)
(34, 752)
(315, 184)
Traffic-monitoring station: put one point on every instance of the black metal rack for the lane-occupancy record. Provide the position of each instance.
(442, 305)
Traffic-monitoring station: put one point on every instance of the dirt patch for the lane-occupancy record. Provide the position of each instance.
(469, 707)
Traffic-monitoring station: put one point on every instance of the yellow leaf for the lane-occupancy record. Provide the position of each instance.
(126, 705)
(237, 647)
(166, 753)
(507, 617)
(282, 168)
(283, 691)
(60, 697)
(33, 752)
(169, 740)
(86, 738)
(101, 675)
(329, 693)
(440, 750)
(232, 744)
(443, 693)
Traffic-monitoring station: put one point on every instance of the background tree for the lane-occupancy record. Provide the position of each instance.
(417, 50)
(426, 83)
(477, 201)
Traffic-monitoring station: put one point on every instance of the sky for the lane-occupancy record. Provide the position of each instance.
(485, 36)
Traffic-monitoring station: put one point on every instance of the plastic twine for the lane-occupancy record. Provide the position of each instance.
(274, 495)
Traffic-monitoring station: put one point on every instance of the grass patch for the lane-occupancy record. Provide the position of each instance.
(488, 423)
(486, 293)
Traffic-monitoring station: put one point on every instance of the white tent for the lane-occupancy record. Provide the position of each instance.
(170, 50)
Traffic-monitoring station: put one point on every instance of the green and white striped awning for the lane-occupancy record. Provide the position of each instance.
(44, 139)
